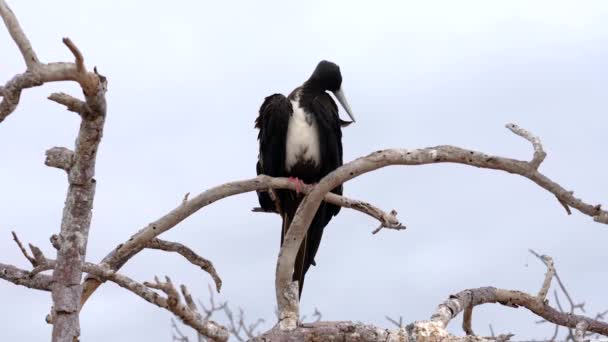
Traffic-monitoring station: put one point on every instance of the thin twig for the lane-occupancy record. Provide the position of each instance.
(542, 293)
(77, 54)
(467, 318)
(190, 255)
(23, 250)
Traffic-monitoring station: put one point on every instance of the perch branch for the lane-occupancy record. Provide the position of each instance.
(190, 255)
(430, 155)
(387, 220)
(125, 251)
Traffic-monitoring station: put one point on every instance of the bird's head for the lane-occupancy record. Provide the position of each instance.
(327, 76)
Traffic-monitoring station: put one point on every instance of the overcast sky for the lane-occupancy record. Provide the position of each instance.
(185, 82)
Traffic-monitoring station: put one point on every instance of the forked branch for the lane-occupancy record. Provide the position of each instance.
(188, 206)
(429, 155)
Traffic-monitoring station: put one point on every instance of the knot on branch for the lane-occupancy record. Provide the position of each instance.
(59, 157)
(288, 315)
(389, 221)
(601, 218)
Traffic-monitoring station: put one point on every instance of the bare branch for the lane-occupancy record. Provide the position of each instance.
(601, 217)
(561, 285)
(38, 255)
(467, 318)
(190, 255)
(319, 316)
(455, 304)
(542, 294)
(565, 205)
(188, 298)
(73, 104)
(59, 157)
(12, 24)
(124, 252)
(539, 152)
(172, 302)
(398, 324)
(439, 154)
(92, 84)
(77, 54)
(21, 277)
(180, 337)
(213, 308)
(387, 220)
(350, 331)
(23, 250)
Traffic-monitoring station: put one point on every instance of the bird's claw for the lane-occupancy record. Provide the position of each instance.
(298, 183)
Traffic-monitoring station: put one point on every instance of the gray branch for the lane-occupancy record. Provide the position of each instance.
(59, 157)
(21, 277)
(429, 155)
(12, 24)
(71, 103)
(542, 294)
(512, 298)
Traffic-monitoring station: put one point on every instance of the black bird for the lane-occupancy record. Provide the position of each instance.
(301, 138)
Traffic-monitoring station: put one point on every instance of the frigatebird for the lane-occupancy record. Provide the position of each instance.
(301, 138)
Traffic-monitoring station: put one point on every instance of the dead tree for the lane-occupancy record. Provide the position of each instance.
(69, 293)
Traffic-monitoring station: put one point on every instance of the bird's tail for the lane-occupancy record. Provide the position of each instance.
(310, 244)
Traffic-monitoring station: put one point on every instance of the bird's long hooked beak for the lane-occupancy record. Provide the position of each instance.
(342, 99)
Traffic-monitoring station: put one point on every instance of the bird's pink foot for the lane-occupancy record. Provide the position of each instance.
(298, 183)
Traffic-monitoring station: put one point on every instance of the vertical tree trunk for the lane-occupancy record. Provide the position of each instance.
(75, 224)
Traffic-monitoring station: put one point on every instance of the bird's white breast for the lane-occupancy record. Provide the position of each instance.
(302, 138)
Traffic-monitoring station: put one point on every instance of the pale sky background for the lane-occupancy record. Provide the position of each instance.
(186, 80)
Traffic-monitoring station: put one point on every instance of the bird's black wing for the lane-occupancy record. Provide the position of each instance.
(330, 136)
(272, 121)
